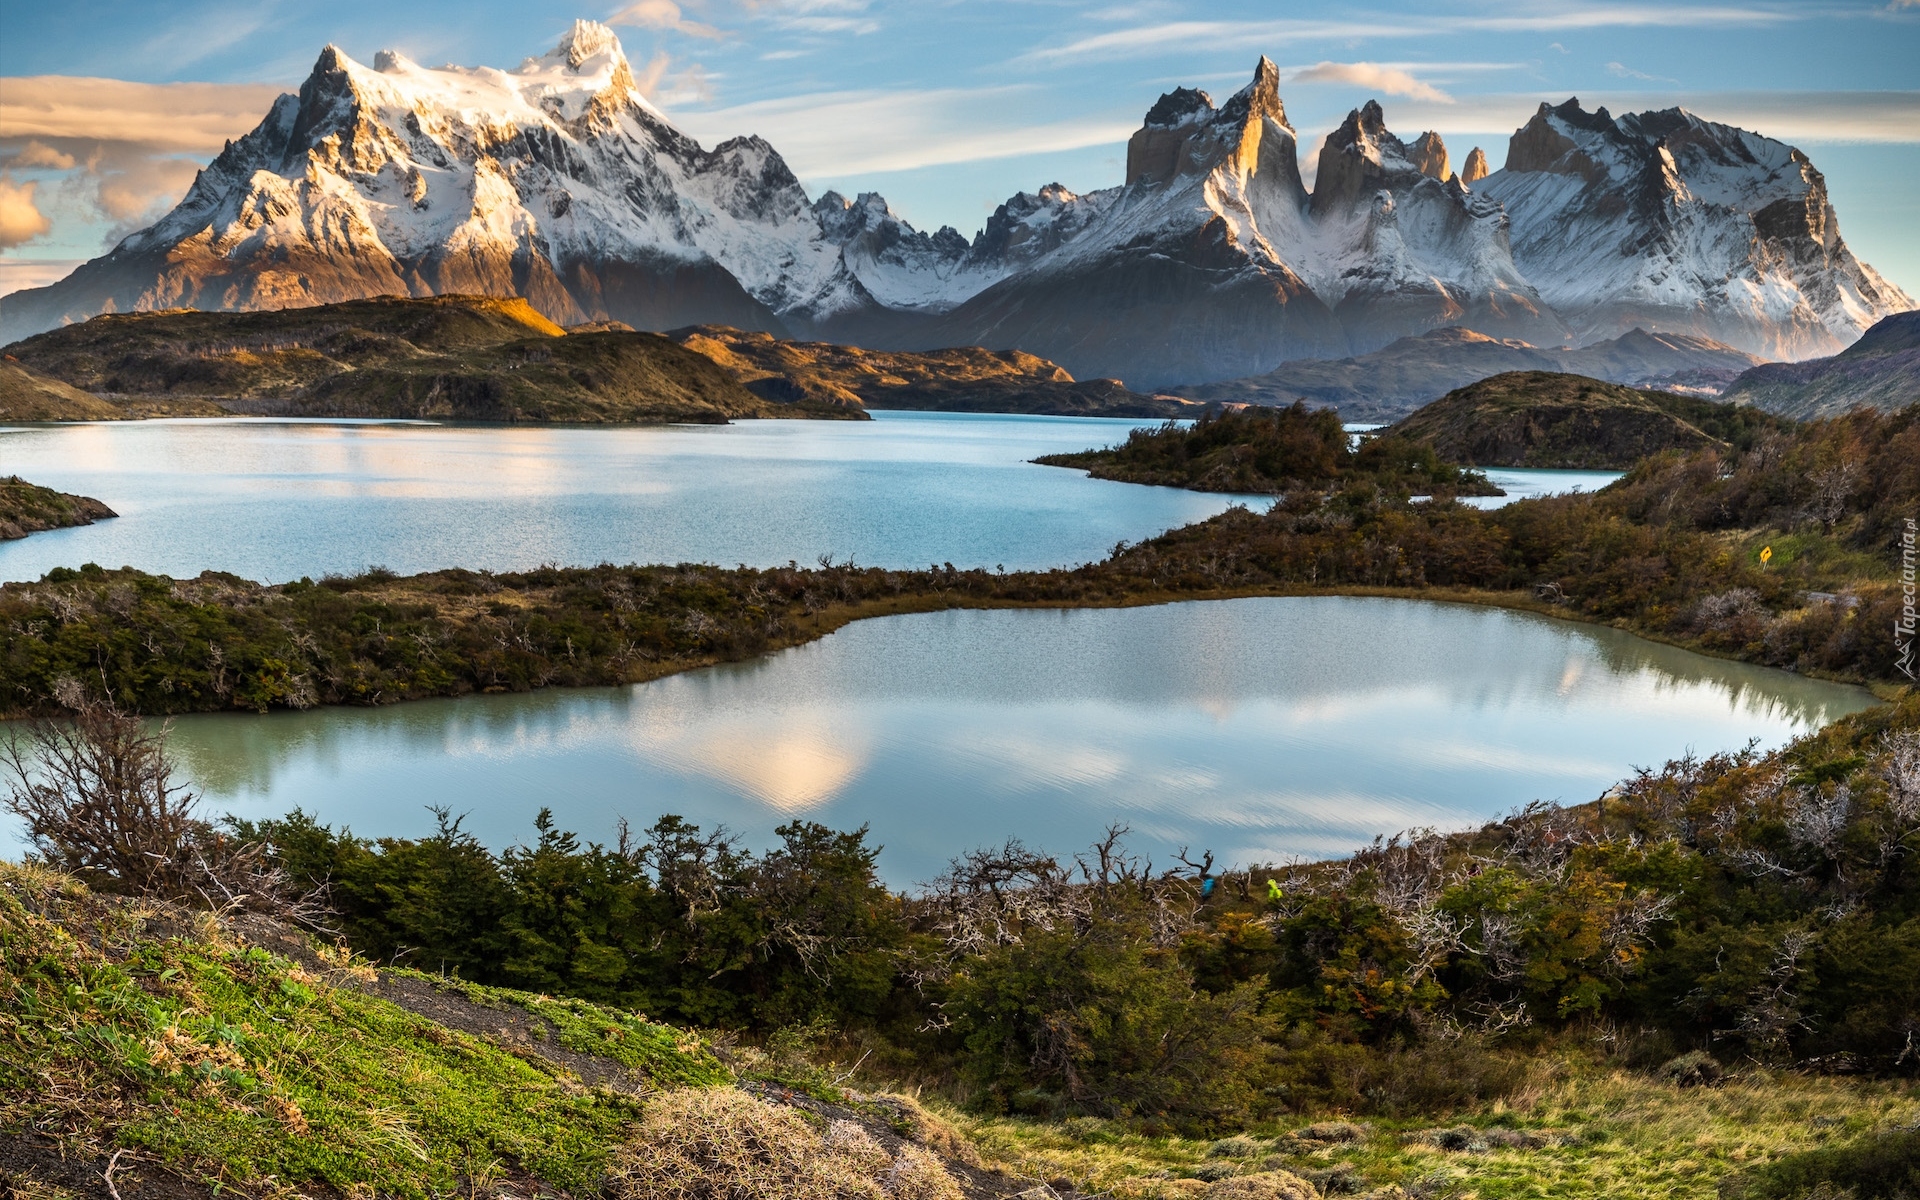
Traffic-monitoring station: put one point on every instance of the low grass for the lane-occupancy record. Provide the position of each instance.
(129, 1027)
(669, 1057)
(1606, 1133)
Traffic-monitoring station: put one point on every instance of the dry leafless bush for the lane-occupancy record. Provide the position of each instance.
(98, 797)
(722, 1144)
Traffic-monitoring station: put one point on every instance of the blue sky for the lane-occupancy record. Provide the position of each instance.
(949, 106)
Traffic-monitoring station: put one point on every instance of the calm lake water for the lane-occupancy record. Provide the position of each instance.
(1259, 728)
(1524, 483)
(275, 500)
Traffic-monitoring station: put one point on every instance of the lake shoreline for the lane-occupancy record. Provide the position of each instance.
(804, 628)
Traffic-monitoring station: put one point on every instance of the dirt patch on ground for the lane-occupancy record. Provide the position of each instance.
(509, 1026)
(35, 1168)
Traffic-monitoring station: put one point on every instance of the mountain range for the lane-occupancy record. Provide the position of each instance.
(558, 181)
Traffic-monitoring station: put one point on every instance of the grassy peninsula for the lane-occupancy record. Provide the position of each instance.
(1274, 451)
(29, 508)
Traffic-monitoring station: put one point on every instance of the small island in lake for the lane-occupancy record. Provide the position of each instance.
(1272, 451)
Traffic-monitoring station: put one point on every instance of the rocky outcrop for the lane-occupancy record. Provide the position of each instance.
(1429, 156)
(1476, 167)
(28, 508)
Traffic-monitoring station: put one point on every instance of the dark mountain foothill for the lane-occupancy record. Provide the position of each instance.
(1881, 370)
(1393, 381)
(959, 379)
(469, 358)
(1546, 420)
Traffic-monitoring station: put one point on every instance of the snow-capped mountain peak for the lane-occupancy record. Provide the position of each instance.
(1666, 220)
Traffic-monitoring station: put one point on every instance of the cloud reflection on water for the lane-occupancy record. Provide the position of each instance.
(1260, 728)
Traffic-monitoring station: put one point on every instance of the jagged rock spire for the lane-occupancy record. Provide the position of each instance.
(1476, 166)
(1183, 131)
(1429, 154)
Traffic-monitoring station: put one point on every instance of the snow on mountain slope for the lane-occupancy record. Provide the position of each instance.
(555, 180)
(1213, 261)
(1664, 220)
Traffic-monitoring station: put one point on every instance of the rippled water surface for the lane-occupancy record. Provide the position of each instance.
(1259, 728)
(275, 500)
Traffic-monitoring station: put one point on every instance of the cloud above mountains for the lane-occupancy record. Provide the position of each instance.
(111, 151)
(1390, 81)
(189, 117)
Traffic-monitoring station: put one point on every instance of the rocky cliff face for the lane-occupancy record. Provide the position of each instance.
(1667, 221)
(1213, 260)
(557, 181)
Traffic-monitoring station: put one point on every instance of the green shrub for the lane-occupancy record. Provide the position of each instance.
(1879, 1166)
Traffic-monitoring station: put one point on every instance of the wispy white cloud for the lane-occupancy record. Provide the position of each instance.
(18, 273)
(820, 17)
(191, 117)
(207, 34)
(665, 87)
(663, 14)
(43, 156)
(128, 150)
(1391, 81)
(1162, 36)
(1623, 71)
(851, 132)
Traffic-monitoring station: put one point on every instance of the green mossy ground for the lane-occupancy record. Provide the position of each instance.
(138, 1027)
